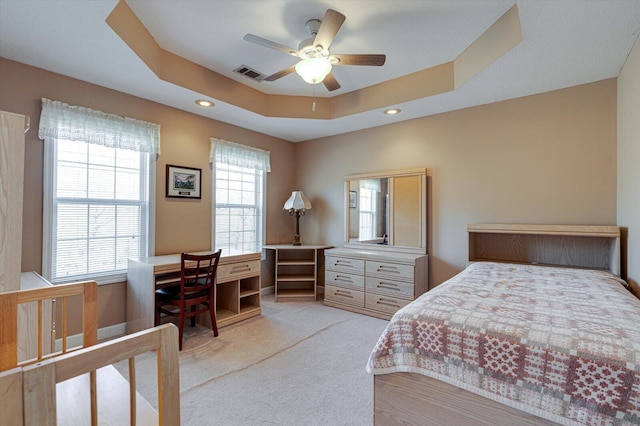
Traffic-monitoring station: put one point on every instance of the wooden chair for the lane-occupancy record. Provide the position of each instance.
(194, 296)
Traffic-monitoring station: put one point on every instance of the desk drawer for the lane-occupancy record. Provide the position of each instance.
(392, 270)
(344, 295)
(389, 287)
(234, 271)
(342, 279)
(384, 303)
(354, 266)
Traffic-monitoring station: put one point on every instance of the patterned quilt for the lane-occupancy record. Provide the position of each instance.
(559, 343)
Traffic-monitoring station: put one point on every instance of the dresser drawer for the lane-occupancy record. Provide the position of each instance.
(342, 279)
(237, 270)
(384, 303)
(389, 287)
(354, 266)
(392, 270)
(344, 295)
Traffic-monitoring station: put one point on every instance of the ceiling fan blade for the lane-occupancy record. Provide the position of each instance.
(331, 83)
(329, 27)
(271, 44)
(280, 74)
(355, 59)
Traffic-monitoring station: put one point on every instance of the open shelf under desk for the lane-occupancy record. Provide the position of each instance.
(246, 293)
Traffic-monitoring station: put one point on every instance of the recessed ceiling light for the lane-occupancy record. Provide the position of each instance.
(204, 103)
(392, 111)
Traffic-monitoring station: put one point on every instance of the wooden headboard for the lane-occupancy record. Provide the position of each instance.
(584, 246)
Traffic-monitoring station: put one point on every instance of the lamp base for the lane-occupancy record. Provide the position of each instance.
(296, 236)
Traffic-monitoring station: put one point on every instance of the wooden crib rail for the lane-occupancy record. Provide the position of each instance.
(39, 380)
(9, 305)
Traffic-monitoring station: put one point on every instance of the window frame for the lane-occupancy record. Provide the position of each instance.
(371, 214)
(50, 211)
(261, 208)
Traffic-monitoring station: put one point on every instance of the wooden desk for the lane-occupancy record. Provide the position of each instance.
(237, 287)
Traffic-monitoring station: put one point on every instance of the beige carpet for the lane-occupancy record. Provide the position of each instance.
(297, 364)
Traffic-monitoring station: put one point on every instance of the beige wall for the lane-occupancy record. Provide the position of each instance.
(185, 141)
(629, 163)
(549, 158)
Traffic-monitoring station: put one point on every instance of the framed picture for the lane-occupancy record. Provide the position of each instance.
(353, 199)
(183, 182)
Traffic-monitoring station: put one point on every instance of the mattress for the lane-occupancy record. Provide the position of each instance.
(559, 343)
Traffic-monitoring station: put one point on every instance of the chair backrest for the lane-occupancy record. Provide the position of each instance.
(9, 305)
(198, 271)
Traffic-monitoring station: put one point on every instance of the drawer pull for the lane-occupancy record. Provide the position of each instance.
(343, 263)
(343, 294)
(344, 279)
(388, 269)
(387, 302)
(388, 286)
(236, 269)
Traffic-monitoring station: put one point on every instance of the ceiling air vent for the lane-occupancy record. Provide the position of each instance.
(249, 72)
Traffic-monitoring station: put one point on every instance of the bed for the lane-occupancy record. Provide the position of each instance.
(78, 385)
(538, 329)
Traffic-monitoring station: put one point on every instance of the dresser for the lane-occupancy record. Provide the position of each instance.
(373, 282)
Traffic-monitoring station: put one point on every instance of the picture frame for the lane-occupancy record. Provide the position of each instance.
(183, 182)
(353, 199)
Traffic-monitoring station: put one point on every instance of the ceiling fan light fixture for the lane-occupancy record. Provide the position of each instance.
(313, 70)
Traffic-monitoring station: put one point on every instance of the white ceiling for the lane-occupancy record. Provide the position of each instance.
(565, 43)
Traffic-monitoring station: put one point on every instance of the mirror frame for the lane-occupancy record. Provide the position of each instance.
(421, 173)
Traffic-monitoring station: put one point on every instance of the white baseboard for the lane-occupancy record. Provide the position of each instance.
(267, 290)
(104, 333)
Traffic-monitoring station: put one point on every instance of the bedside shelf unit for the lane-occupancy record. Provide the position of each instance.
(298, 271)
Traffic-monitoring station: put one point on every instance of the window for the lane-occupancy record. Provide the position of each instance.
(239, 182)
(367, 213)
(96, 199)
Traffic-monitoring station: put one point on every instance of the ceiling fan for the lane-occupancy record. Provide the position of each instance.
(315, 59)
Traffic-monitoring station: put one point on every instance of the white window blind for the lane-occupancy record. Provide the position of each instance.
(96, 193)
(239, 174)
(367, 213)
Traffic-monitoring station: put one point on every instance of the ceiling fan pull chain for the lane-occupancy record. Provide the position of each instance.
(313, 104)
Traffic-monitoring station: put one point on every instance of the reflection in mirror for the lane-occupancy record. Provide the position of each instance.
(368, 211)
(387, 209)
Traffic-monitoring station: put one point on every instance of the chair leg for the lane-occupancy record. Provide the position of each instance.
(193, 317)
(180, 327)
(214, 326)
(212, 314)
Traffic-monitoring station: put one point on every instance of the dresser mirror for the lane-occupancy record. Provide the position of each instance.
(387, 210)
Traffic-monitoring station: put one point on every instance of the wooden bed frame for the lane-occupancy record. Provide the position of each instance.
(79, 385)
(409, 398)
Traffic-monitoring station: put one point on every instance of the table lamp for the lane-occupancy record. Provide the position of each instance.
(297, 205)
